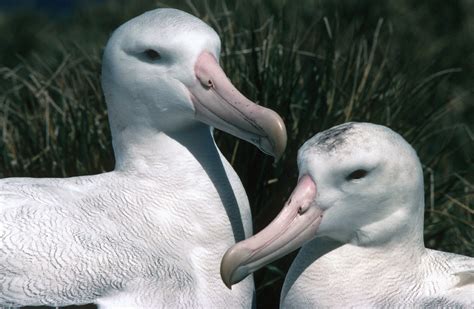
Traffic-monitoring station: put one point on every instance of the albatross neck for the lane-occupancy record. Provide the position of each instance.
(141, 149)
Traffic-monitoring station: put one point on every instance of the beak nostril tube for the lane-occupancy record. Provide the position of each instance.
(226, 109)
(296, 224)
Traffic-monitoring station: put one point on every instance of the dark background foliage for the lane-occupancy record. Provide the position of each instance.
(402, 63)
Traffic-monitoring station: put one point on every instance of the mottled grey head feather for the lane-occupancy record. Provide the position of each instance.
(330, 139)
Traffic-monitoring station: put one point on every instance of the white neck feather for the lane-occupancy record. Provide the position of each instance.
(142, 148)
(327, 270)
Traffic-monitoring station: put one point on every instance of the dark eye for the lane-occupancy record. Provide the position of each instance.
(357, 174)
(152, 54)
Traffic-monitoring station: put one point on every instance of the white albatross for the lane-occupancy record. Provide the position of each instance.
(358, 212)
(149, 234)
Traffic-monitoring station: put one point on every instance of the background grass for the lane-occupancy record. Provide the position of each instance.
(317, 63)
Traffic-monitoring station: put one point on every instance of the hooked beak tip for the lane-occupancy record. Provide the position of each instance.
(226, 272)
(276, 133)
(281, 145)
(225, 275)
(229, 264)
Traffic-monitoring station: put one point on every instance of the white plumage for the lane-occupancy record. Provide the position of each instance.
(358, 212)
(150, 233)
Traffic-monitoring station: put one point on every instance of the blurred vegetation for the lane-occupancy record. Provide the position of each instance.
(405, 64)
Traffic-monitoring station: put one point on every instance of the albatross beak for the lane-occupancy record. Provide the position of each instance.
(296, 224)
(219, 104)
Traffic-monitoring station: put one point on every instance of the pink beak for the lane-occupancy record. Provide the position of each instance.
(296, 224)
(219, 104)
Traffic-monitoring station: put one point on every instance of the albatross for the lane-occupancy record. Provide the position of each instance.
(357, 210)
(150, 233)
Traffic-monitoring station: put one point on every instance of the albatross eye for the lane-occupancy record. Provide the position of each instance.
(152, 54)
(357, 174)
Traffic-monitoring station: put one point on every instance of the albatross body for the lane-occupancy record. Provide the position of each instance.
(357, 210)
(149, 234)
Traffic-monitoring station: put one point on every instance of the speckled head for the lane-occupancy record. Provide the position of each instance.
(330, 139)
(359, 183)
(364, 173)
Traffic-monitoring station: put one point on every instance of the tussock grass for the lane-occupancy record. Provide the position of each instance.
(312, 63)
(53, 118)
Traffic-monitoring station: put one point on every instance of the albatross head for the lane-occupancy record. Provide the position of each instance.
(359, 183)
(161, 72)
